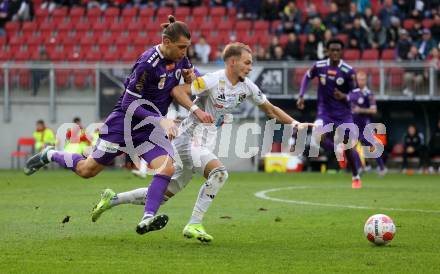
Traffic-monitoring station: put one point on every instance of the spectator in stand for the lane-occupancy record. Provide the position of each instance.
(322, 51)
(43, 136)
(351, 15)
(387, 12)
(292, 50)
(220, 3)
(413, 77)
(39, 74)
(143, 4)
(275, 42)
(393, 32)
(262, 54)
(191, 53)
(25, 11)
(76, 138)
(291, 18)
(190, 3)
(333, 20)
(367, 18)
(316, 27)
(404, 7)
(426, 44)
(403, 45)
(434, 147)
(248, 9)
(311, 48)
(362, 5)
(416, 15)
(169, 3)
(435, 28)
(413, 144)
(311, 10)
(203, 50)
(377, 36)
(416, 32)
(270, 10)
(278, 54)
(219, 57)
(358, 36)
(3, 15)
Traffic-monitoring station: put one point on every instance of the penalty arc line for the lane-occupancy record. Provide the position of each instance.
(263, 195)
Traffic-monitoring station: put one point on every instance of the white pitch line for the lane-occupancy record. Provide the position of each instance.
(263, 195)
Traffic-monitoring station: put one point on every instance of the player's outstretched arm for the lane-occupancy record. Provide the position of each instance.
(182, 95)
(282, 117)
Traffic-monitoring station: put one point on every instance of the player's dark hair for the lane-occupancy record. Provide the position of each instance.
(76, 120)
(334, 41)
(234, 50)
(174, 29)
(41, 122)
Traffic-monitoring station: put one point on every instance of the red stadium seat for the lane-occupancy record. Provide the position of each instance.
(261, 25)
(370, 54)
(100, 26)
(82, 26)
(106, 40)
(12, 27)
(323, 9)
(146, 13)
(65, 26)
(162, 14)
(182, 13)
(34, 40)
(2, 41)
(111, 12)
(16, 40)
(25, 148)
(5, 54)
(352, 54)
(94, 55)
(88, 40)
(396, 75)
(29, 27)
(284, 38)
(375, 78)
(41, 14)
(57, 55)
(59, 13)
(200, 12)
(249, 39)
(122, 40)
(80, 78)
(388, 54)
(427, 23)
(276, 24)
(343, 38)
(76, 13)
(243, 25)
(22, 56)
(217, 11)
(129, 56)
(94, 13)
(376, 6)
(264, 40)
(62, 78)
(47, 25)
(116, 26)
(135, 26)
(226, 26)
(231, 12)
(111, 54)
(408, 24)
(130, 12)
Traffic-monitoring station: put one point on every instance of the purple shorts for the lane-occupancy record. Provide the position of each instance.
(349, 131)
(113, 144)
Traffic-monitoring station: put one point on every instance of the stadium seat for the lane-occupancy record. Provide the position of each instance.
(12, 27)
(106, 40)
(57, 55)
(162, 14)
(41, 14)
(323, 9)
(16, 40)
(226, 26)
(352, 54)
(217, 11)
(131, 12)
(388, 54)
(34, 40)
(25, 148)
(111, 14)
(342, 37)
(100, 26)
(396, 75)
(146, 13)
(80, 78)
(374, 78)
(2, 41)
(59, 13)
(64, 26)
(284, 38)
(275, 25)
(231, 12)
(243, 25)
(182, 13)
(370, 54)
(261, 25)
(408, 24)
(111, 54)
(28, 28)
(376, 6)
(93, 55)
(263, 40)
(94, 13)
(62, 78)
(76, 13)
(200, 12)
(427, 23)
(88, 40)
(5, 54)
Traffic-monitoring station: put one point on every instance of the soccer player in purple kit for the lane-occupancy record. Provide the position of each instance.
(363, 105)
(138, 121)
(334, 74)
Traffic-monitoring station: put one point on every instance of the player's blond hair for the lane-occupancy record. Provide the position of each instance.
(235, 49)
(174, 29)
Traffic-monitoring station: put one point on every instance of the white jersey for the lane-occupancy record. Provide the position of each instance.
(218, 97)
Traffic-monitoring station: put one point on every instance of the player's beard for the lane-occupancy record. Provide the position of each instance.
(241, 79)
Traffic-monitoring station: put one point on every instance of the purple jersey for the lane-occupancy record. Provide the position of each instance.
(341, 77)
(364, 99)
(152, 78)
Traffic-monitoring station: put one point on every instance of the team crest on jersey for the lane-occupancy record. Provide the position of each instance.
(178, 74)
(360, 100)
(241, 97)
(221, 85)
(332, 72)
(322, 80)
(340, 81)
(161, 84)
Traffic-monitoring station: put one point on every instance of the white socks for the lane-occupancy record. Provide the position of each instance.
(209, 189)
(136, 197)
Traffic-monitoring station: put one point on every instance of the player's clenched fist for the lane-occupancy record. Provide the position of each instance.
(169, 127)
(204, 117)
(188, 75)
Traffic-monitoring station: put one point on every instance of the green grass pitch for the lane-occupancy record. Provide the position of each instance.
(251, 235)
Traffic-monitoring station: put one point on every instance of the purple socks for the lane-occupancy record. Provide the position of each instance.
(67, 160)
(155, 194)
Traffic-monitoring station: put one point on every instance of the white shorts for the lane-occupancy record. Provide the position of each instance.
(190, 158)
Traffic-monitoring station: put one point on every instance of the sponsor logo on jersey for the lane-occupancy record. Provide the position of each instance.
(141, 82)
(170, 66)
(199, 84)
(242, 96)
(332, 72)
(221, 97)
(360, 100)
(344, 69)
(340, 81)
(219, 106)
(154, 55)
(322, 80)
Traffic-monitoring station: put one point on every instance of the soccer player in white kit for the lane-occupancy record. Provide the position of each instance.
(218, 94)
